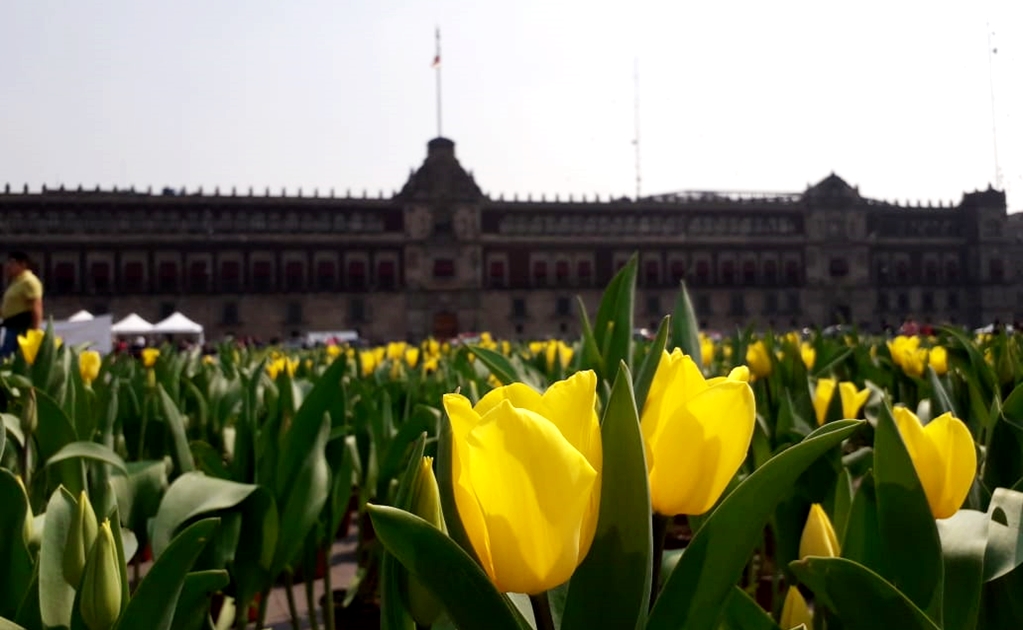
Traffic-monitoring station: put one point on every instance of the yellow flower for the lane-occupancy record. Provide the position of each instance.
(431, 364)
(412, 357)
(706, 350)
(938, 360)
(852, 400)
(396, 350)
(149, 356)
(536, 347)
(822, 398)
(944, 458)
(282, 364)
(696, 434)
(88, 365)
(333, 351)
(795, 612)
(558, 353)
(758, 359)
(369, 361)
(30, 342)
(818, 537)
(809, 354)
(526, 470)
(907, 354)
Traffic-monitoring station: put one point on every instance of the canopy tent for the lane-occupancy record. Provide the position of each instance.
(132, 325)
(178, 324)
(81, 316)
(94, 332)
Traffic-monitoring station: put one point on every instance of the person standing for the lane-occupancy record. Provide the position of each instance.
(22, 308)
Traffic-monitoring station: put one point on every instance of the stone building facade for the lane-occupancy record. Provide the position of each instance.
(440, 257)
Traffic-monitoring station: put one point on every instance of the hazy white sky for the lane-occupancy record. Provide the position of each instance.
(538, 94)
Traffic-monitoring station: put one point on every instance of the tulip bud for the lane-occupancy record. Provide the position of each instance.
(29, 413)
(419, 601)
(819, 537)
(795, 611)
(28, 530)
(100, 601)
(80, 538)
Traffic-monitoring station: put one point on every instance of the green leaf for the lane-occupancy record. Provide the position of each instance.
(57, 597)
(191, 495)
(154, 601)
(1004, 552)
(741, 612)
(502, 369)
(910, 547)
(612, 329)
(590, 356)
(6, 624)
(394, 616)
(55, 432)
(193, 607)
(715, 558)
(963, 541)
(862, 599)
(15, 560)
(300, 506)
(685, 330)
(940, 399)
(88, 450)
(645, 375)
(13, 426)
(446, 484)
(176, 424)
(611, 588)
(466, 592)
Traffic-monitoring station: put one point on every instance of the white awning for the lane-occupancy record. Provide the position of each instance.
(132, 325)
(81, 316)
(177, 324)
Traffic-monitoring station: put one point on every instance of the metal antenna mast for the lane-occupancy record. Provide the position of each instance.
(991, 51)
(635, 141)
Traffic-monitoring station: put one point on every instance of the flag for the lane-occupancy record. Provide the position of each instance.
(436, 57)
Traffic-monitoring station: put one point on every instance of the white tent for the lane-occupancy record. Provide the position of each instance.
(95, 332)
(132, 325)
(178, 324)
(81, 316)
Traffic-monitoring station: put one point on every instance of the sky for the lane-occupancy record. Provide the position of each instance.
(539, 96)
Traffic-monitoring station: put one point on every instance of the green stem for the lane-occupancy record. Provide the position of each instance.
(264, 598)
(310, 602)
(328, 595)
(289, 589)
(241, 614)
(660, 528)
(542, 611)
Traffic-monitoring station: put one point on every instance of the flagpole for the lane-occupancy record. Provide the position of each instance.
(994, 118)
(436, 65)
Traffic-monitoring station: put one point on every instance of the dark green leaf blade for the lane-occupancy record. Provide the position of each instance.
(685, 331)
(611, 588)
(862, 599)
(466, 592)
(153, 603)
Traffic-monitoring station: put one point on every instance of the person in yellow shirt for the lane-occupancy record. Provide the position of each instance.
(22, 307)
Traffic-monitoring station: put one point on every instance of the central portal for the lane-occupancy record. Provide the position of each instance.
(445, 325)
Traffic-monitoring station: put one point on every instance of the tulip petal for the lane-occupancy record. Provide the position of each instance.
(534, 489)
(463, 419)
(521, 395)
(927, 460)
(571, 405)
(700, 449)
(954, 444)
(822, 398)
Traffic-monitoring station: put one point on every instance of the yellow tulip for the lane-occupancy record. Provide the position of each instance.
(852, 400)
(333, 351)
(696, 434)
(944, 458)
(809, 355)
(558, 353)
(149, 356)
(526, 471)
(369, 361)
(412, 357)
(706, 350)
(536, 347)
(795, 612)
(88, 365)
(938, 360)
(822, 398)
(758, 359)
(30, 342)
(818, 537)
(431, 364)
(907, 354)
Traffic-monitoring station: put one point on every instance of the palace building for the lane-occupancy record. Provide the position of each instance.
(440, 257)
